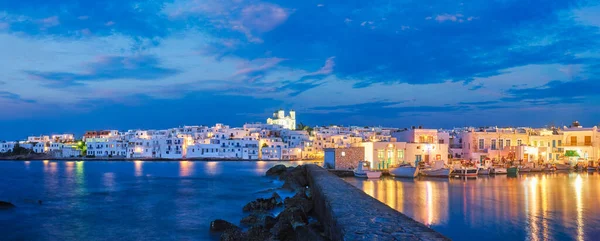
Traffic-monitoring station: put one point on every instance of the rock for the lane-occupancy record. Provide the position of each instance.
(233, 234)
(307, 233)
(263, 204)
(258, 233)
(6, 205)
(270, 222)
(257, 218)
(287, 221)
(301, 201)
(276, 170)
(220, 225)
(295, 179)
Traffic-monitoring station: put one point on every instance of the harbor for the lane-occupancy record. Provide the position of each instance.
(529, 206)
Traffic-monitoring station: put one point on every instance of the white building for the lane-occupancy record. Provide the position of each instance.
(287, 122)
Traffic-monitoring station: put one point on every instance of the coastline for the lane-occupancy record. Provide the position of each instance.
(37, 158)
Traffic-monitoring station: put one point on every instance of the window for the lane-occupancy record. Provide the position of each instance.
(380, 154)
(535, 143)
(553, 143)
(519, 142)
(481, 144)
(343, 153)
(559, 142)
(400, 154)
(501, 144)
(588, 140)
(493, 144)
(507, 143)
(542, 143)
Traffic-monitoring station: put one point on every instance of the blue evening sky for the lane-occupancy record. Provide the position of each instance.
(72, 65)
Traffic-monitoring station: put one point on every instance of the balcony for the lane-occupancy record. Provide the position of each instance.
(578, 144)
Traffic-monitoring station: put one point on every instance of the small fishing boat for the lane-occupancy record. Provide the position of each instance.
(464, 172)
(524, 169)
(562, 167)
(535, 169)
(512, 171)
(483, 171)
(362, 171)
(405, 170)
(497, 170)
(437, 170)
(549, 168)
(592, 166)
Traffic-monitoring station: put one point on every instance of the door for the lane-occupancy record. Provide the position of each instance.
(418, 158)
(573, 140)
(427, 159)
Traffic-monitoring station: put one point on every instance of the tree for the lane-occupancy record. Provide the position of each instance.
(82, 147)
(306, 128)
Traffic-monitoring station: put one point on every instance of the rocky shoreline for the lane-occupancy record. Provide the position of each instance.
(297, 221)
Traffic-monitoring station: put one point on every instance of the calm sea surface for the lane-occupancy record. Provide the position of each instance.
(177, 200)
(126, 200)
(561, 206)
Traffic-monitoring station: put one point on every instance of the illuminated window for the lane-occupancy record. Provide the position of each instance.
(380, 154)
(400, 154)
(508, 143)
(343, 153)
(481, 144)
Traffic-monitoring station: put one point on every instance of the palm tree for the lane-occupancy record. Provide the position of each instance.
(306, 128)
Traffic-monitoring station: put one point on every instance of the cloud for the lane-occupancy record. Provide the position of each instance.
(4, 25)
(49, 22)
(263, 17)
(140, 67)
(13, 97)
(448, 17)
(476, 87)
(258, 65)
(557, 90)
(479, 103)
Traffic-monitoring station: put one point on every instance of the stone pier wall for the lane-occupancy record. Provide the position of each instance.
(348, 213)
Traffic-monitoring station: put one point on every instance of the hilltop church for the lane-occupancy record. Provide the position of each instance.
(279, 118)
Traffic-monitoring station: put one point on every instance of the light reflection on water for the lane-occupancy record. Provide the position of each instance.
(560, 206)
(125, 200)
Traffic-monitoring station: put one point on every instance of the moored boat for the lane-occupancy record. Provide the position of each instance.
(512, 171)
(562, 167)
(404, 171)
(436, 170)
(592, 167)
(497, 170)
(524, 169)
(464, 172)
(535, 169)
(483, 171)
(361, 172)
(443, 172)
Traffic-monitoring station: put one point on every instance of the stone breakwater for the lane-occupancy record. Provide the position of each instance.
(348, 213)
(324, 207)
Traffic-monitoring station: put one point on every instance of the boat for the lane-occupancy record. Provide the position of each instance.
(405, 170)
(535, 169)
(591, 166)
(562, 167)
(361, 172)
(437, 170)
(548, 168)
(512, 171)
(483, 171)
(464, 172)
(497, 170)
(524, 169)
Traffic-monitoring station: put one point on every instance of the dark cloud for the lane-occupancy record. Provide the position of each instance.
(384, 42)
(479, 103)
(14, 97)
(556, 92)
(141, 67)
(75, 18)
